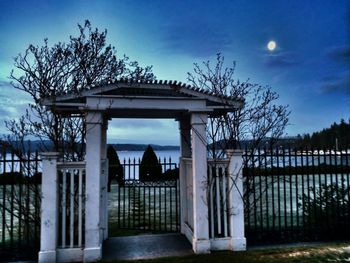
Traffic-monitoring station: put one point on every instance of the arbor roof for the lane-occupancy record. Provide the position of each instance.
(138, 98)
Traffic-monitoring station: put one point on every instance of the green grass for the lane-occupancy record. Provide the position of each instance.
(310, 254)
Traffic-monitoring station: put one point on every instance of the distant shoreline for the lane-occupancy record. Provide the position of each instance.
(35, 146)
(142, 147)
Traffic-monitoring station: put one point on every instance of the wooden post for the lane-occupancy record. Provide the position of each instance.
(200, 242)
(236, 202)
(93, 233)
(49, 208)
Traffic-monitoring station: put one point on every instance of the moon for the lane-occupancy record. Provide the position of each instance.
(271, 45)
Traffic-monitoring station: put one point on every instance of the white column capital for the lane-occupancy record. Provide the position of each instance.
(94, 117)
(49, 155)
(233, 152)
(199, 118)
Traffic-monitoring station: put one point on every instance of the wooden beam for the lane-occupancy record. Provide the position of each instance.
(102, 103)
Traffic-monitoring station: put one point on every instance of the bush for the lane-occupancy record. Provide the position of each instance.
(171, 174)
(150, 168)
(115, 169)
(327, 210)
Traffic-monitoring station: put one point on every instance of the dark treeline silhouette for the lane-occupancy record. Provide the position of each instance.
(336, 136)
(45, 145)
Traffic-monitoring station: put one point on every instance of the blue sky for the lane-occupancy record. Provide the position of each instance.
(310, 67)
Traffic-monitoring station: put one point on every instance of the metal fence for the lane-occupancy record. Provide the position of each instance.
(296, 195)
(290, 195)
(151, 205)
(20, 181)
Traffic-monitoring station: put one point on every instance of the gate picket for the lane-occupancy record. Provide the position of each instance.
(147, 205)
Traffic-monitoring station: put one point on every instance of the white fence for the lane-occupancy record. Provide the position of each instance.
(71, 178)
(225, 204)
(218, 179)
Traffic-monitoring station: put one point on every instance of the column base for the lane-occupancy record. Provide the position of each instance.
(92, 254)
(238, 244)
(47, 256)
(201, 246)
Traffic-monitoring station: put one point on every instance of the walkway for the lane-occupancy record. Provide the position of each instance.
(146, 247)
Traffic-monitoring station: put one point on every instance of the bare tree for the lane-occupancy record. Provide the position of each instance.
(49, 71)
(261, 118)
(46, 71)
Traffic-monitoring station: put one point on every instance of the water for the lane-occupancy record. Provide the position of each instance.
(173, 154)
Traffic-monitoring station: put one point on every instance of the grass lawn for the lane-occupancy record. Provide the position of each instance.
(316, 253)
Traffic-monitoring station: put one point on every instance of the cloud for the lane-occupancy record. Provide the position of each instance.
(143, 131)
(339, 83)
(339, 54)
(339, 80)
(136, 123)
(4, 84)
(195, 39)
(13, 103)
(280, 59)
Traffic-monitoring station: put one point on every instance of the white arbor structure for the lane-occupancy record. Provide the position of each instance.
(74, 214)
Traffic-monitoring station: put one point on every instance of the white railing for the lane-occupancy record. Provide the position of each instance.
(71, 177)
(218, 178)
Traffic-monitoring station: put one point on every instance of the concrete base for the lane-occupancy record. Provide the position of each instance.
(183, 228)
(238, 244)
(47, 256)
(92, 254)
(187, 232)
(220, 243)
(69, 255)
(201, 246)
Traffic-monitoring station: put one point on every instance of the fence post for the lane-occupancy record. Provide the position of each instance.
(93, 201)
(200, 240)
(49, 208)
(236, 202)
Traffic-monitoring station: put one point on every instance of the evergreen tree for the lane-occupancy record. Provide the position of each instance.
(115, 169)
(337, 135)
(150, 168)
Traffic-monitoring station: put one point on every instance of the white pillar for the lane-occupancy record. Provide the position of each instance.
(200, 242)
(104, 180)
(236, 202)
(93, 244)
(185, 150)
(49, 208)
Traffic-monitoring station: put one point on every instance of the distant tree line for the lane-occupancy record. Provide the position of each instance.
(336, 136)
